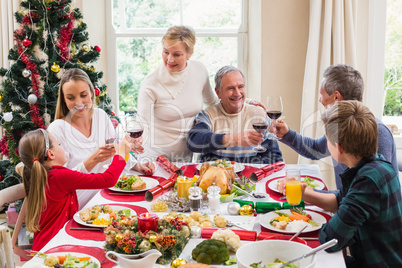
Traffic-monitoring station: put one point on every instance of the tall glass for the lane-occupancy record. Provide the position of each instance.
(274, 111)
(293, 187)
(260, 124)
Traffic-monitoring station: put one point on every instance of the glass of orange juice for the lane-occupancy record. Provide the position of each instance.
(293, 187)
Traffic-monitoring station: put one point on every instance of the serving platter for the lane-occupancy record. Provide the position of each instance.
(78, 220)
(150, 183)
(266, 218)
(238, 167)
(273, 184)
(37, 261)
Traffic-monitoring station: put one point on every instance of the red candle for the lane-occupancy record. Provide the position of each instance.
(147, 222)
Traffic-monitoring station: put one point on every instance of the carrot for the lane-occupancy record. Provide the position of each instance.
(297, 216)
(112, 215)
(61, 259)
(83, 258)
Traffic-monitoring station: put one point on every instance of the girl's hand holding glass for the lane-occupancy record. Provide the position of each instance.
(293, 187)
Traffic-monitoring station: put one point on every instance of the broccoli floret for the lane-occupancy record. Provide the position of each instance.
(211, 251)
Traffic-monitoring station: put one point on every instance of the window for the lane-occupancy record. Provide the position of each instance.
(393, 64)
(136, 28)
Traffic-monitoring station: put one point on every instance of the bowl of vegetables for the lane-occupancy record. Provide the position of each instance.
(271, 253)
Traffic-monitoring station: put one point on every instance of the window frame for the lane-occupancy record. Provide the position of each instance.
(112, 34)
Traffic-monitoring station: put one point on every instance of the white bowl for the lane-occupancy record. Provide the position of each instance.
(266, 251)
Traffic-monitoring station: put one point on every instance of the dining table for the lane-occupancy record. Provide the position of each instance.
(93, 242)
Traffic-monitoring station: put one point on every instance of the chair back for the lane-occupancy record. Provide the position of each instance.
(6, 248)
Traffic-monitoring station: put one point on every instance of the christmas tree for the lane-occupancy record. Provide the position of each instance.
(51, 37)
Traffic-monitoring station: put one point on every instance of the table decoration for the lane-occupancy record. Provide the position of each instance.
(183, 184)
(265, 171)
(125, 237)
(167, 165)
(206, 233)
(264, 207)
(163, 186)
(147, 222)
(98, 253)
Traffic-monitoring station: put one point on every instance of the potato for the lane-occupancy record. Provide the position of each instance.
(51, 261)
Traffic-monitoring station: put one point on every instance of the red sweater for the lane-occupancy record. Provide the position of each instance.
(61, 198)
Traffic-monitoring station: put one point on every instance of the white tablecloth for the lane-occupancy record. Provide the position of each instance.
(324, 259)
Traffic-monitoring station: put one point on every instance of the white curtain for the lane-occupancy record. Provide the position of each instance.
(7, 28)
(332, 40)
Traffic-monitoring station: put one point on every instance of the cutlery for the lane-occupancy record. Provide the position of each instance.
(133, 194)
(311, 252)
(297, 234)
(231, 224)
(243, 191)
(87, 228)
(241, 182)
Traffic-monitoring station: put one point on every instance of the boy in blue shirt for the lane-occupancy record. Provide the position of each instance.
(368, 207)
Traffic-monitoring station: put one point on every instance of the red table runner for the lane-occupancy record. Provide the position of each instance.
(98, 253)
(191, 170)
(310, 243)
(276, 196)
(135, 197)
(96, 234)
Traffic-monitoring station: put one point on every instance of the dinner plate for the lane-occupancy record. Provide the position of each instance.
(186, 254)
(37, 260)
(273, 185)
(151, 183)
(77, 219)
(266, 218)
(238, 167)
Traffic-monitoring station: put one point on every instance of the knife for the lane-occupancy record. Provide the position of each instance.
(241, 182)
(86, 229)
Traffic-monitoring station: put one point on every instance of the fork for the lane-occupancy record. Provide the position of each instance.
(231, 224)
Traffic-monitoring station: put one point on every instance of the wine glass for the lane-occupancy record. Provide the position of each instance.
(293, 187)
(133, 125)
(274, 111)
(260, 124)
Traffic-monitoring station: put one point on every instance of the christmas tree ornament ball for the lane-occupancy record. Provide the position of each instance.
(86, 48)
(1, 97)
(8, 116)
(97, 48)
(26, 73)
(55, 68)
(26, 42)
(177, 263)
(97, 91)
(32, 98)
(233, 208)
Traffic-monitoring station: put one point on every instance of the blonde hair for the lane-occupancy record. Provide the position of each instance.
(353, 126)
(73, 74)
(183, 34)
(33, 146)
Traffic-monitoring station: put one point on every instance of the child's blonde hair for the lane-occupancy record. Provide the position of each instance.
(33, 149)
(353, 126)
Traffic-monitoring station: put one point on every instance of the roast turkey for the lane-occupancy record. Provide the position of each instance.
(222, 176)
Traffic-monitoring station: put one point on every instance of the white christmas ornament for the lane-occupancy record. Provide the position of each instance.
(8, 117)
(32, 98)
(26, 73)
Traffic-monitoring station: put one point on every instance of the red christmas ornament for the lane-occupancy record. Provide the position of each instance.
(16, 151)
(1, 177)
(97, 91)
(113, 113)
(114, 122)
(26, 42)
(97, 48)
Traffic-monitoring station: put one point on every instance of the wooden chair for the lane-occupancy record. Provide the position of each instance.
(6, 248)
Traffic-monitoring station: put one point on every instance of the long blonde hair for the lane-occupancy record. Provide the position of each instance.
(73, 74)
(33, 153)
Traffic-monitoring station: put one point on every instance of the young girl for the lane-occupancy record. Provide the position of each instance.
(51, 188)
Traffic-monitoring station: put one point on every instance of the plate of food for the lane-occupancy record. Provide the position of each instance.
(310, 181)
(238, 167)
(134, 184)
(289, 222)
(102, 215)
(66, 259)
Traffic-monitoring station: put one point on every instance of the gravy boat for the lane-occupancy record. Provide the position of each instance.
(143, 260)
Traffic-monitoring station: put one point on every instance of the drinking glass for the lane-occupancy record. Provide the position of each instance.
(293, 187)
(133, 125)
(274, 111)
(260, 124)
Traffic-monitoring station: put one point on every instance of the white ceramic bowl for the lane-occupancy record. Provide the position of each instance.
(267, 251)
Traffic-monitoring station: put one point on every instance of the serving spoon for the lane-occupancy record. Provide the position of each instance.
(298, 232)
(311, 252)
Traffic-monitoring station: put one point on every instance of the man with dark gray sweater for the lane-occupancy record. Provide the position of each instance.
(341, 82)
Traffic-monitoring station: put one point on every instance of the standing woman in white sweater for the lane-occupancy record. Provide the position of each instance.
(172, 95)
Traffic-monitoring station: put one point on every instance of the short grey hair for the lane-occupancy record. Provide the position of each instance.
(345, 79)
(223, 71)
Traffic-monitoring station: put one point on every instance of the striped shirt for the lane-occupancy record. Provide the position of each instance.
(369, 218)
(213, 123)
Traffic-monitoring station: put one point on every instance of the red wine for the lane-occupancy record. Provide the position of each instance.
(274, 114)
(135, 133)
(260, 127)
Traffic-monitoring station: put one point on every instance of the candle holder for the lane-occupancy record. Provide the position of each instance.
(147, 222)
